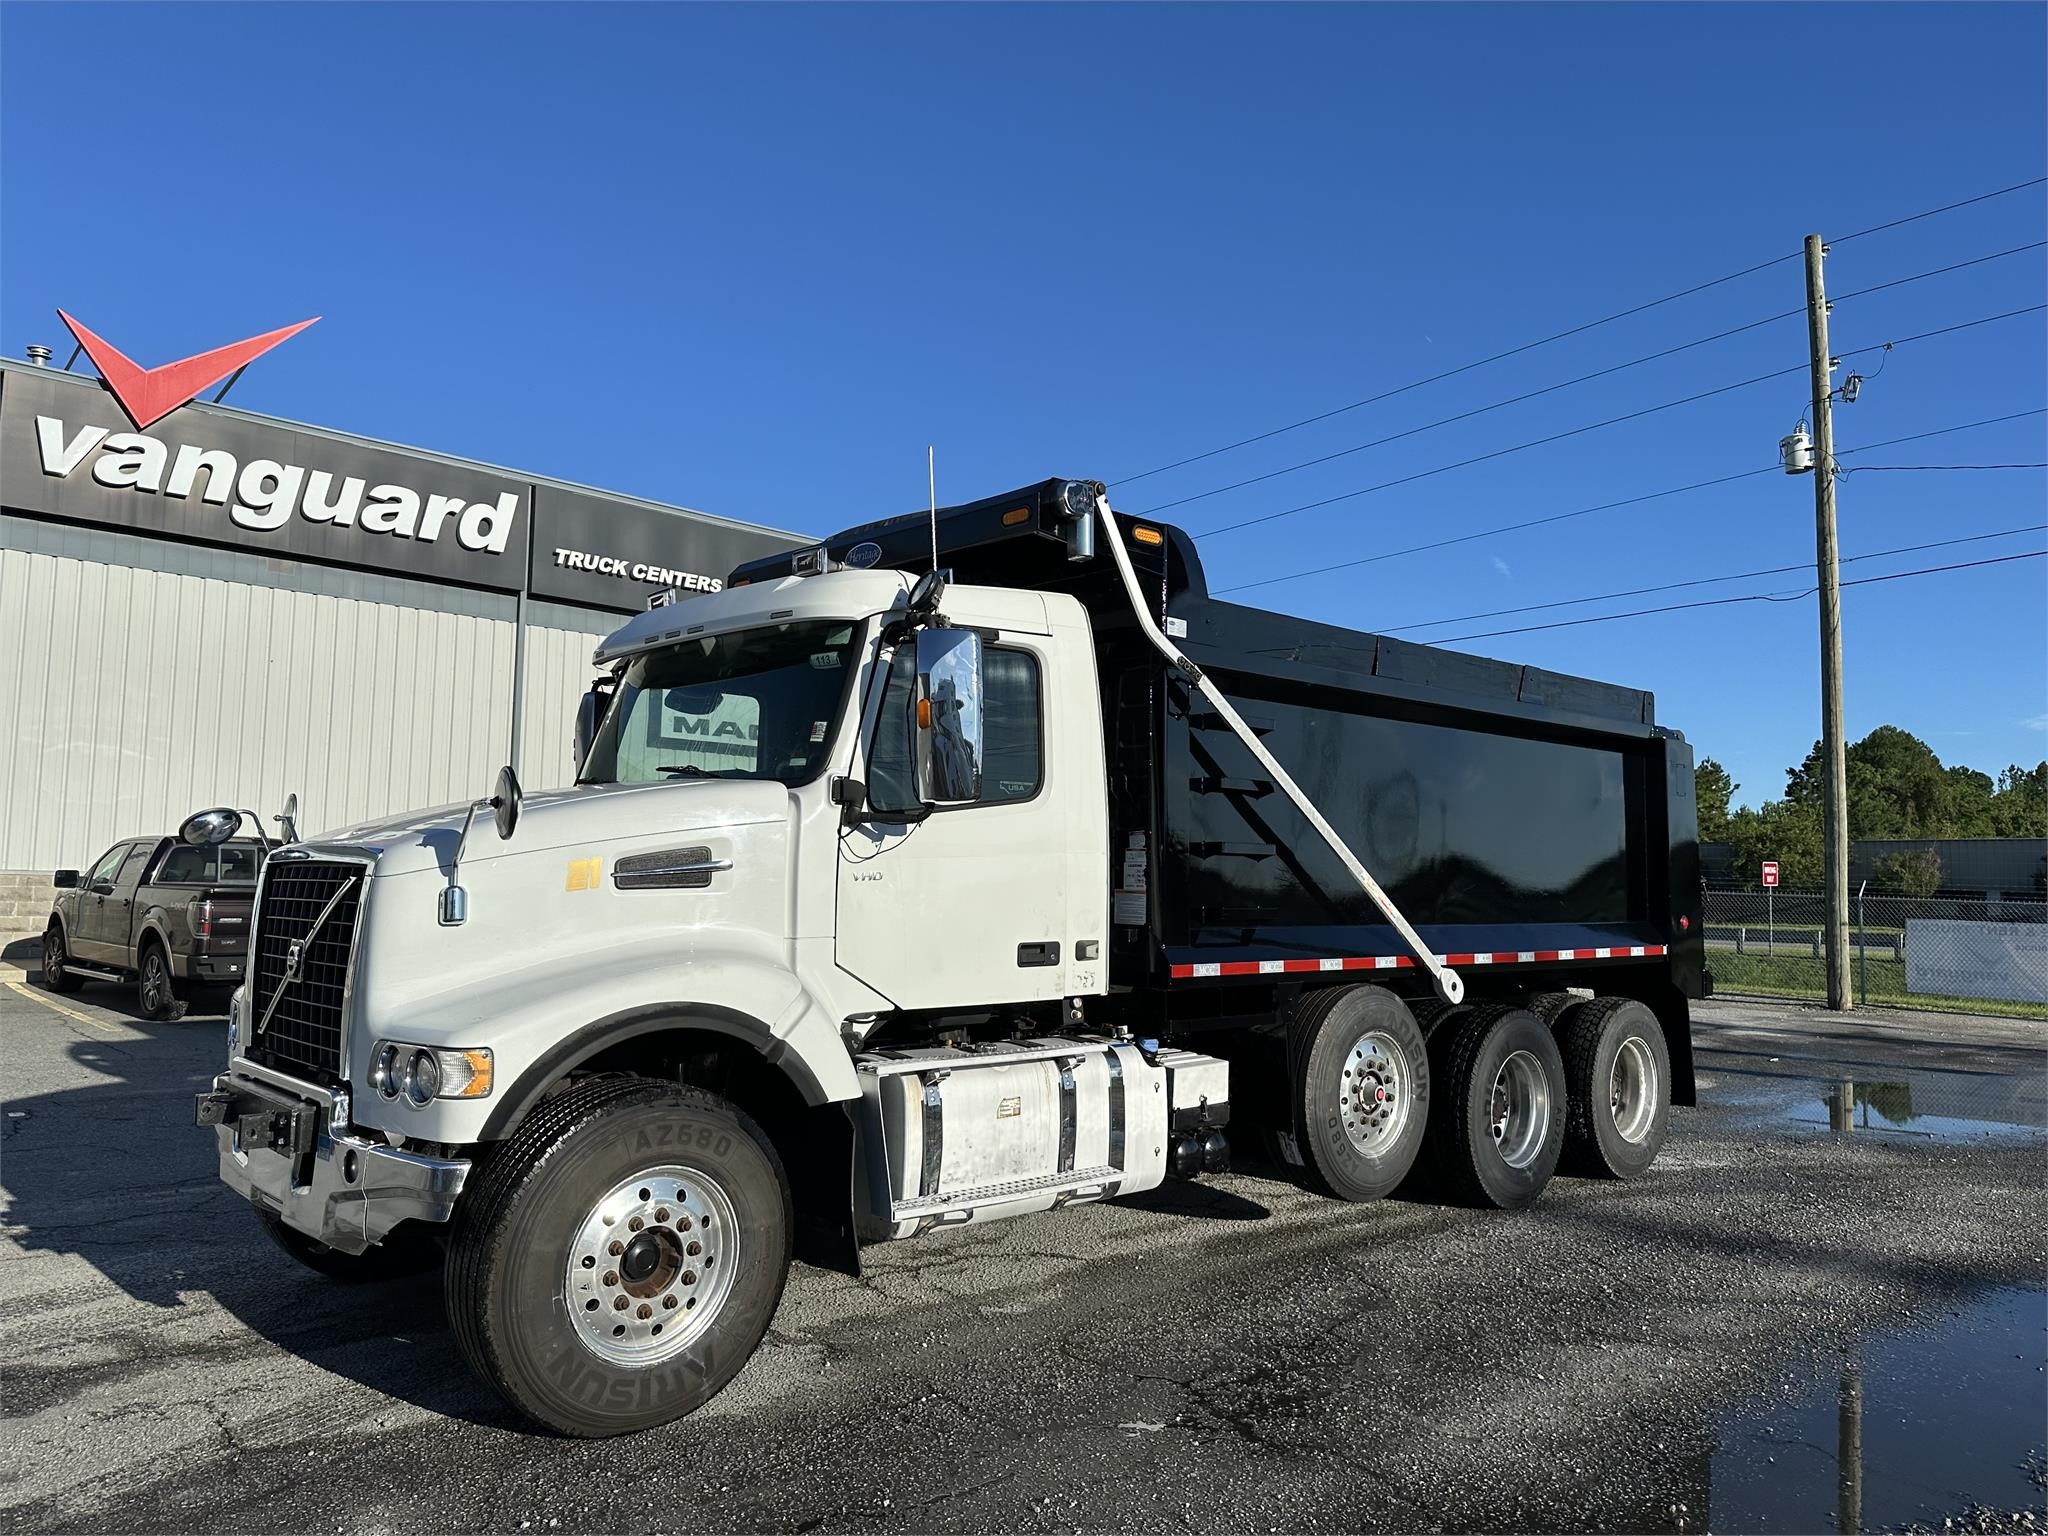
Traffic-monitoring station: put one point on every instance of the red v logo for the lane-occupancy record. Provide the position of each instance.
(148, 395)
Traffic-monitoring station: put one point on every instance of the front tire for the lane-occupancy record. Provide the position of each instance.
(1361, 1084)
(57, 973)
(1499, 1125)
(1617, 1071)
(618, 1259)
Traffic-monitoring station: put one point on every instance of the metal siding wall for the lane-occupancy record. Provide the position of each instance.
(132, 696)
(558, 670)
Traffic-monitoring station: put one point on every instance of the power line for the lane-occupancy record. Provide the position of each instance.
(1584, 378)
(1708, 581)
(1608, 506)
(1596, 426)
(1753, 597)
(1864, 468)
(1914, 218)
(1556, 336)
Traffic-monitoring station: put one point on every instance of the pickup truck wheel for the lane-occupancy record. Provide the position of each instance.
(154, 997)
(1361, 1091)
(57, 973)
(1498, 1130)
(613, 1264)
(1618, 1073)
(405, 1252)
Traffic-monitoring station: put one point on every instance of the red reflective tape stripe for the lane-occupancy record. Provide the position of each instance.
(1407, 962)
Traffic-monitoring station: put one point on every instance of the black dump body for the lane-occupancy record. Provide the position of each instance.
(1538, 829)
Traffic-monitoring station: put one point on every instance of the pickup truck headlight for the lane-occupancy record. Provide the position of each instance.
(421, 1074)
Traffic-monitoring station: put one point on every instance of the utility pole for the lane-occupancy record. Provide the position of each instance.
(1827, 562)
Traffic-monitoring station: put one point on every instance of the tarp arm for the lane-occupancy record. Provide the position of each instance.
(1448, 984)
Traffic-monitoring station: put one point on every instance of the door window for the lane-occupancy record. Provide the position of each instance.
(1013, 755)
(109, 862)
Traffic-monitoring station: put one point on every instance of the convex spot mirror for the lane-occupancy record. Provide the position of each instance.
(204, 828)
(505, 800)
(288, 817)
(946, 739)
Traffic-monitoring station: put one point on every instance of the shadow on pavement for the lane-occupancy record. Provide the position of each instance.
(116, 1173)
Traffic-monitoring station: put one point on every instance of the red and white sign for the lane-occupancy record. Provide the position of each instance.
(1770, 872)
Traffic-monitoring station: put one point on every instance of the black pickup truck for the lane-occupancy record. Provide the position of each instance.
(156, 912)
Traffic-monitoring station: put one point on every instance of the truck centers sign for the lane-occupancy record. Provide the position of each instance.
(145, 455)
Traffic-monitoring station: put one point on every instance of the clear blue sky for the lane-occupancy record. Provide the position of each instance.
(754, 260)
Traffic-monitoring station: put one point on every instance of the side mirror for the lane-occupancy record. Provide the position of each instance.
(206, 828)
(505, 801)
(946, 741)
(288, 818)
(591, 709)
(65, 880)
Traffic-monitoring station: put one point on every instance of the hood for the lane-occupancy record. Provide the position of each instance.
(586, 817)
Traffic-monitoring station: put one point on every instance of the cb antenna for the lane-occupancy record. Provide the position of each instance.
(931, 469)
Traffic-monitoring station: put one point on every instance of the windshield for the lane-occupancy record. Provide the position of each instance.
(757, 704)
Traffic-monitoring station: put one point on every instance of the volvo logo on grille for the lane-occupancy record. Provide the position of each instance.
(295, 955)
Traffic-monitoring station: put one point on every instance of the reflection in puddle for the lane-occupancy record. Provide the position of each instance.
(1929, 1107)
(1904, 1428)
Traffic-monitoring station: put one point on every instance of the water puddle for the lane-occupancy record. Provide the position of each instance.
(1925, 1107)
(1902, 1429)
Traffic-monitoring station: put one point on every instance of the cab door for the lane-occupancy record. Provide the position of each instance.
(969, 905)
(92, 927)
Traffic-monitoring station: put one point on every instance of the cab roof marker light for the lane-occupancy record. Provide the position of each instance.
(1015, 516)
(1151, 536)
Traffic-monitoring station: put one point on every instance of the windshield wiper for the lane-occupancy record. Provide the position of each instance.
(685, 768)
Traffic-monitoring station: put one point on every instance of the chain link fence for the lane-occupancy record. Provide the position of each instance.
(1974, 953)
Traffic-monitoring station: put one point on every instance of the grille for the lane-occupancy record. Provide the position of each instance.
(304, 1034)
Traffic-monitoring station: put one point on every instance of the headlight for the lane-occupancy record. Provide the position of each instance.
(422, 1077)
(422, 1074)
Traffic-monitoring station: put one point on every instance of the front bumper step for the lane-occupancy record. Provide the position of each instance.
(348, 1191)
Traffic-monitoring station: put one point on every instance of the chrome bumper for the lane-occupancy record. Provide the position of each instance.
(344, 1190)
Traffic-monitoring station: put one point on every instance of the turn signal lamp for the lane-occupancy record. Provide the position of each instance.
(422, 1074)
(1150, 536)
(1015, 516)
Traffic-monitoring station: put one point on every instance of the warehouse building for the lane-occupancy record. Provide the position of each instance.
(204, 606)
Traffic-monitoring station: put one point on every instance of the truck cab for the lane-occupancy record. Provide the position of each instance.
(875, 909)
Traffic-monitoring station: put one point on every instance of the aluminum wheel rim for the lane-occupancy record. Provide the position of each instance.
(1375, 1093)
(1632, 1089)
(1520, 1109)
(153, 982)
(652, 1265)
(53, 955)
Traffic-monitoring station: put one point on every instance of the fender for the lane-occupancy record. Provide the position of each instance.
(601, 1034)
(153, 923)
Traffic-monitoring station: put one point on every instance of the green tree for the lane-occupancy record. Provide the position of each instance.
(1712, 791)
(1899, 788)
(1780, 830)
(2019, 806)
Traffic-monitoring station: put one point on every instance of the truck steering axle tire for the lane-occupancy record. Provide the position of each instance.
(1361, 1085)
(57, 973)
(1499, 1127)
(614, 1263)
(1618, 1075)
(406, 1252)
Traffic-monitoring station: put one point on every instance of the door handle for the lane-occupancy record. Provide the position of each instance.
(1045, 953)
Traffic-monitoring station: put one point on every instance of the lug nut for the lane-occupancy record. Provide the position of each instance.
(694, 1248)
(661, 1214)
(689, 1277)
(620, 1304)
(616, 1248)
(668, 1303)
(644, 1312)
(635, 1224)
(611, 1277)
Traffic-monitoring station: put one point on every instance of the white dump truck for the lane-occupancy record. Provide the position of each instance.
(968, 865)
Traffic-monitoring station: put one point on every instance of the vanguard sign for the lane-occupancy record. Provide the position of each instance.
(70, 451)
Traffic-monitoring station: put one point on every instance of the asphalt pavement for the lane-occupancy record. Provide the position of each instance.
(1855, 1198)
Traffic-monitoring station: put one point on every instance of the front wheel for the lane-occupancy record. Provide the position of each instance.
(614, 1264)
(57, 973)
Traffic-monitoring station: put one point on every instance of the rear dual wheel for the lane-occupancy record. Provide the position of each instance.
(1618, 1079)
(1361, 1090)
(1499, 1129)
